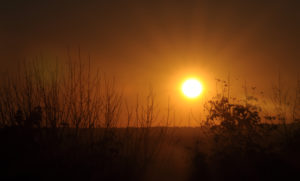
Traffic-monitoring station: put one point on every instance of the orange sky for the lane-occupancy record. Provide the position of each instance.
(160, 42)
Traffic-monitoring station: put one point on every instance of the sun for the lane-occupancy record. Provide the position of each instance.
(192, 88)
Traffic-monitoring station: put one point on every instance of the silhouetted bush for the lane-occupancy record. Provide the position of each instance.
(245, 148)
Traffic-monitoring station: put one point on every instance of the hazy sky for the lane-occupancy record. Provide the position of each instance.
(159, 42)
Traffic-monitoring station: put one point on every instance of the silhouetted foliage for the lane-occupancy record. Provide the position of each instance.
(235, 125)
(65, 125)
(245, 148)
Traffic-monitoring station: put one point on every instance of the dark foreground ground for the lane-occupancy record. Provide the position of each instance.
(146, 154)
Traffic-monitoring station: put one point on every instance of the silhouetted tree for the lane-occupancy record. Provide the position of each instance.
(236, 126)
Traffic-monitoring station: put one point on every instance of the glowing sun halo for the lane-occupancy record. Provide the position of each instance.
(192, 88)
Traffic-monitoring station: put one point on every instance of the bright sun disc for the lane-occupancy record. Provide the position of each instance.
(192, 88)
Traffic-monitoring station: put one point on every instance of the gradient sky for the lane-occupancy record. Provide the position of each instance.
(160, 42)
